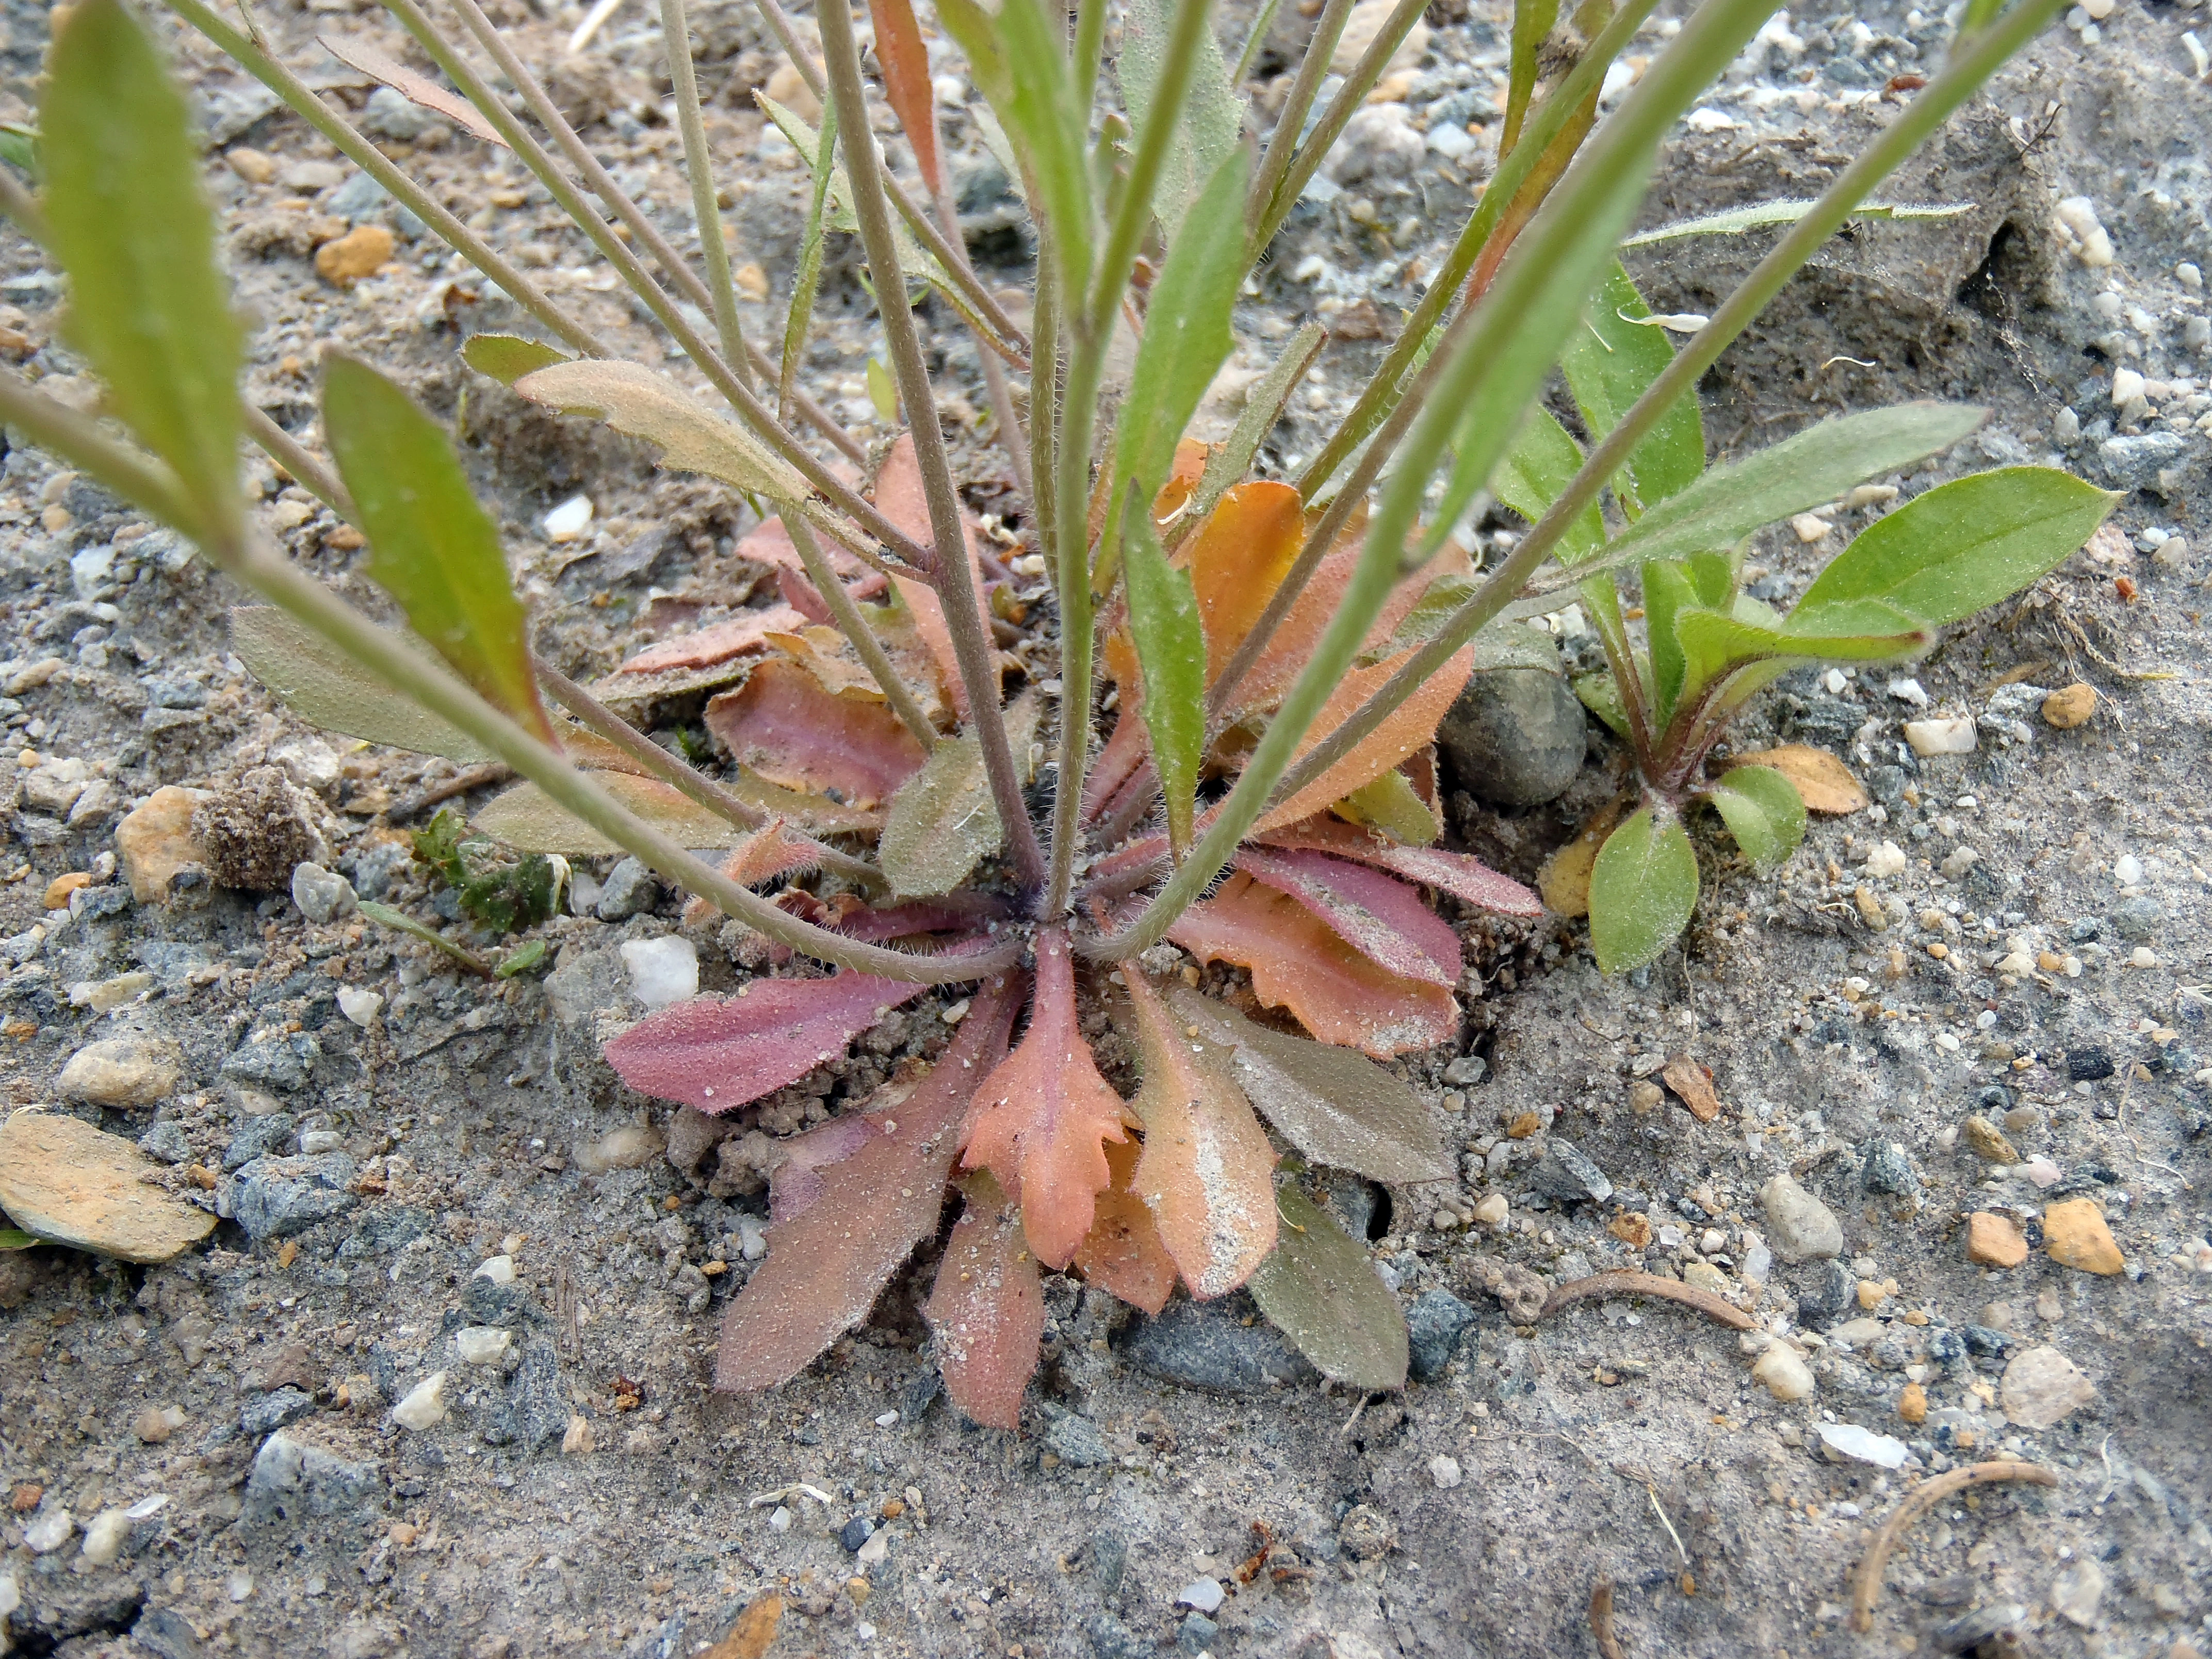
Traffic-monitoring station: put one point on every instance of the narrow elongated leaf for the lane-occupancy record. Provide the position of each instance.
(1666, 595)
(1412, 726)
(781, 723)
(1465, 877)
(1710, 643)
(1299, 963)
(1186, 334)
(1264, 402)
(1538, 466)
(872, 1205)
(432, 548)
(1213, 115)
(1336, 1107)
(1762, 810)
(1041, 1120)
(987, 1307)
(1122, 1252)
(630, 397)
(1735, 222)
(1376, 913)
(1319, 1289)
(527, 819)
(943, 820)
(1048, 131)
(1608, 362)
(905, 64)
(127, 221)
(806, 283)
(356, 53)
(1643, 888)
(1207, 1171)
(1963, 545)
(1163, 622)
(717, 1053)
(508, 357)
(328, 689)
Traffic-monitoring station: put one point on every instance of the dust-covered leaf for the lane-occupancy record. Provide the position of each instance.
(1164, 623)
(717, 1053)
(1609, 361)
(1410, 726)
(943, 821)
(1040, 1121)
(1538, 466)
(508, 357)
(1122, 1253)
(1758, 216)
(1376, 913)
(1824, 783)
(1319, 1289)
(1299, 963)
(1762, 810)
(329, 690)
(987, 1307)
(783, 725)
(1464, 877)
(1207, 1171)
(905, 64)
(872, 1206)
(630, 397)
(1643, 888)
(127, 219)
(1210, 118)
(529, 820)
(356, 53)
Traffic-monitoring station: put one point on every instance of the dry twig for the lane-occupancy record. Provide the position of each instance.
(1600, 1618)
(1917, 1503)
(1626, 1282)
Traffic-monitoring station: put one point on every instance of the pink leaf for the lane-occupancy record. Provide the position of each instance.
(715, 1052)
(718, 643)
(987, 1308)
(900, 498)
(783, 725)
(1380, 917)
(1122, 1253)
(769, 544)
(1466, 878)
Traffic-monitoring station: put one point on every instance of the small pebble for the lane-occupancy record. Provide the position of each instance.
(323, 896)
(361, 252)
(2041, 1387)
(1848, 1443)
(1784, 1374)
(105, 1535)
(1803, 1228)
(2075, 1235)
(499, 1269)
(1493, 1211)
(568, 520)
(482, 1344)
(1810, 526)
(662, 971)
(156, 1424)
(1445, 1471)
(2083, 233)
(577, 1441)
(2142, 956)
(1913, 1405)
(1987, 1141)
(1206, 1594)
(1886, 859)
(424, 1407)
(630, 1147)
(48, 1530)
(129, 1071)
(1995, 1241)
(1941, 736)
(2076, 1592)
(359, 1006)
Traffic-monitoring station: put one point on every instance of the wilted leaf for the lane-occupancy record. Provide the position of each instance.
(529, 820)
(1464, 877)
(943, 819)
(1608, 362)
(1298, 964)
(1336, 1107)
(1963, 545)
(1411, 725)
(1565, 879)
(871, 1207)
(128, 220)
(1041, 1120)
(1319, 1289)
(1733, 221)
(1762, 810)
(1163, 621)
(1122, 1253)
(630, 397)
(1693, 1084)
(508, 357)
(769, 544)
(1643, 888)
(716, 1052)
(905, 64)
(1376, 913)
(747, 633)
(356, 53)
(784, 726)
(1207, 1170)
(987, 1307)
(1824, 783)
(329, 690)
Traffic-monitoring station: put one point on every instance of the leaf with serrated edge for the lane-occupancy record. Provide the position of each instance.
(1763, 812)
(1122, 1253)
(826, 1264)
(1643, 888)
(1163, 622)
(943, 820)
(1298, 964)
(1824, 783)
(717, 1053)
(1319, 1289)
(128, 220)
(1207, 1170)
(508, 357)
(1376, 913)
(630, 397)
(783, 725)
(987, 1307)
(329, 690)
(1409, 726)
(1041, 1120)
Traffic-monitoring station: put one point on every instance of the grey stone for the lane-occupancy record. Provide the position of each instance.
(1886, 1169)
(488, 1303)
(381, 1231)
(322, 895)
(1567, 1176)
(294, 1483)
(1076, 1442)
(1434, 1326)
(226, 114)
(584, 983)
(276, 1060)
(855, 1533)
(539, 1404)
(1112, 1639)
(359, 196)
(279, 1408)
(1206, 1346)
(166, 1141)
(2136, 918)
(1516, 737)
(629, 890)
(1109, 1560)
(389, 115)
(665, 1641)
(257, 1137)
(1831, 1295)
(166, 1634)
(1467, 1068)
(277, 1197)
(1966, 1634)
(2134, 461)
(1197, 1633)
(1802, 1229)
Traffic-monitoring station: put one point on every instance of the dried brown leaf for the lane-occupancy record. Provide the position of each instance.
(1826, 782)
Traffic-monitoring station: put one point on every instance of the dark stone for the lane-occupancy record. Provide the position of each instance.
(1995, 1097)
(665, 1641)
(1945, 1346)
(2134, 460)
(276, 1197)
(537, 1403)
(92, 904)
(921, 1394)
(487, 1303)
(1887, 784)
(1516, 737)
(1989, 1344)
(279, 1060)
(1358, 1201)
(2136, 918)
(165, 1634)
(257, 1137)
(1076, 1442)
(166, 1141)
(656, 558)
(1566, 1176)
(1434, 1326)
(294, 1483)
(2089, 1065)
(855, 1533)
(1206, 1346)
(174, 694)
(266, 1414)
(1112, 1639)
(1981, 1624)
(1829, 722)
(1830, 1296)
(1109, 1560)
(1197, 1633)
(1886, 1169)
(382, 1231)
(2083, 932)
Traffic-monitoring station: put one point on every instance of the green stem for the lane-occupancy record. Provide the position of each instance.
(1256, 39)
(1349, 97)
(699, 163)
(1089, 48)
(1283, 143)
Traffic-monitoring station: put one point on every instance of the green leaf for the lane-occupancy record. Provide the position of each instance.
(19, 147)
(1170, 645)
(1667, 591)
(1963, 546)
(1212, 114)
(530, 954)
(1319, 1289)
(1543, 460)
(1713, 644)
(1643, 888)
(526, 819)
(1712, 578)
(400, 922)
(1601, 695)
(14, 1238)
(806, 285)
(1763, 811)
(630, 397)
(1532, 22)
(329, 690)
(1229, 464)
(1736, 220)
(148, 307)
(1187, 331)
(1392, 805)
(508, 357)
(943, 820)
(881, 393)
(1608, 363)
(432, 548)
(1048, 131)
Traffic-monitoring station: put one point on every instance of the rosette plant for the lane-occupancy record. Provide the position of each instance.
(1256, 788)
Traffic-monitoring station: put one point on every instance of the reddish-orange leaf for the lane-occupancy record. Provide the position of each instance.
(870, 1207)
(1207, 1170)
(905, 64)
(900, 498)
(1239, 559)
(1040, 1121)
(1379, 915)
(781, 723)
(769, 544)
(1122, 1253)
(1298, 963)
(1411, 725)
(737, 637)
(748, 1638)
(987, 1308)
(1118, 758)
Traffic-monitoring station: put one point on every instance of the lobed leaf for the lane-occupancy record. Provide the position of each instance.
(1040, 1121)
(717, 1053)
(431, 547)
(508, 357)
(1207, 1172)
(1464, 877)
(987, 1307)
(1376, 915)
(1608, 362)
(1824, 783)
(1122, 1253)
(1643, 888)
(329, 690)
(1297, 962)
(631, 398)
(943, 821)
(870, 1206)
(1763, 811)
(1412, 726)
(783, 725)
(1319, 1289)
(1170, 646)
(905, 64)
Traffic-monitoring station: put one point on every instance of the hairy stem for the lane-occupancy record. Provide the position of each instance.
(1282, 144)
(1341, 109)
(1089, 47)
(954, 579)
(281, 447)
(699, 163)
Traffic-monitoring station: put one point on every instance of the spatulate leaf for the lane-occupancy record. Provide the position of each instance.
(781, 723)
(1643, 888)
(987, 1308)
(1763, 811)
(508, 357)
(1321, 1291)
(1122, 1253)
(1379, 915)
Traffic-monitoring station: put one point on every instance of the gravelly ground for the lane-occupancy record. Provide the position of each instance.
(1616, 1440)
